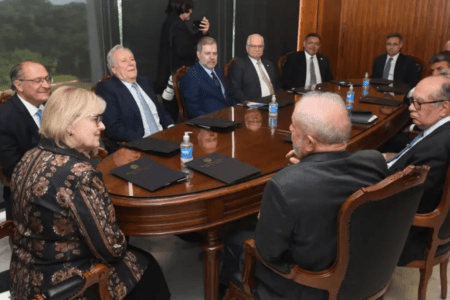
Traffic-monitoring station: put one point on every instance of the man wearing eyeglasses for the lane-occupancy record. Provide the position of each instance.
(252, 76)
(20, 116)
(430, 111)
(308, 67)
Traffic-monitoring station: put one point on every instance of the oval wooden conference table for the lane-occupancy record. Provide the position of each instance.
(203, 203)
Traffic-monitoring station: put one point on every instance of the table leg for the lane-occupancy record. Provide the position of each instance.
(211, 263)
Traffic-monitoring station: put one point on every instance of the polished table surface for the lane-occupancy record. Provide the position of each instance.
(203, 203)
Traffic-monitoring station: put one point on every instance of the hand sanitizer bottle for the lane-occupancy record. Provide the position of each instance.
(273, 106)
(350, 99)
(186, 147)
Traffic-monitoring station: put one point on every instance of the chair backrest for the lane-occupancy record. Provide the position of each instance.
(103, 79)
(281, 62)
(372, 230)
(227, 67)
(4, 97)
(7, 229)
(418, 63)
(177, 77)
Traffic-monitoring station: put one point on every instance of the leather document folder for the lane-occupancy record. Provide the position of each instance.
(155, 146)
(380, 101)
(363, 116)
(222, 167)
(213, 124)
(396, 89)
(148, 174)
(381, 81)
(306, 89)
(345, 83)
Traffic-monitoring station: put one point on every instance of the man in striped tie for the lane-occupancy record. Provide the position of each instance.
(132, 109)
(430, 111)
(252, 76)
(394, 65)
(20, 117)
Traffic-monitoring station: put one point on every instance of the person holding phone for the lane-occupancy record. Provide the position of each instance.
(177, 46)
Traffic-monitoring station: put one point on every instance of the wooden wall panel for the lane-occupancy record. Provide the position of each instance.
(309, 10)
(424, 24)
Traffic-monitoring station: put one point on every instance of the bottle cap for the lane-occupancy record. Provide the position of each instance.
(351, 87)
(186, 136)
(274, 98)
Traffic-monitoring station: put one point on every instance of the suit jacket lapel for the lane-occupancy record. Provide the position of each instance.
(127, 95)
(25, 117)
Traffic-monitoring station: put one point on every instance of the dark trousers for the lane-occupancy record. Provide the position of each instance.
(152, 285)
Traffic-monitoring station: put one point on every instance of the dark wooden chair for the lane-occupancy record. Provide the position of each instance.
(4, 97)
(373, 225)
(281, 62)
(439, 223)
(73, 287)
(103, 79)
(177, 77)
(227, 67)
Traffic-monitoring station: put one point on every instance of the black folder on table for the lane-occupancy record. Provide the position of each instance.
(381, 81)
(380, 101)
(222, 167)
(306, 89)
(148, 174)
(213, 124)
(363, 116)
(344, 83)
(400, 89)
(282, 102)
(154, 145)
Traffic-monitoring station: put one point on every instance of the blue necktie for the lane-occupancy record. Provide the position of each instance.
(387, 69)
(147, 112)
(217, 82)
(39, 114)
(407, 147)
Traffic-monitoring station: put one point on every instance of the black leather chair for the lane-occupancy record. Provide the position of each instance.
(373, 225)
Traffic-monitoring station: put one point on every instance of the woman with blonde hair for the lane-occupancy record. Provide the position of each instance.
(65, 220)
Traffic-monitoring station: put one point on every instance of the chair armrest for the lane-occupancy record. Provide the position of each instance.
(426, 220)
(65, 289)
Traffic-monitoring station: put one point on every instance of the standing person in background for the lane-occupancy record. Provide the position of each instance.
(177, 47)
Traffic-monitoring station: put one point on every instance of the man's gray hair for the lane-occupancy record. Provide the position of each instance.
(327, 130)
(255, 34)
(207, 40)
(110, 56)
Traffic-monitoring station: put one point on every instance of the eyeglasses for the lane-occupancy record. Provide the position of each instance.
(418, 105)
(98, 118)
(256, 46)
(39, 80)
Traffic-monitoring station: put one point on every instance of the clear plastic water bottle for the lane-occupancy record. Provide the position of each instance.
(350, 99)
(273, 106)
(186, 148)
(365, 84)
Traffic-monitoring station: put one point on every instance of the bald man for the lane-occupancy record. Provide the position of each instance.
(317, 184)
(20, 116)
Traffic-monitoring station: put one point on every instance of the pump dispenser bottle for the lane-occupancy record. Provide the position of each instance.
(186, 148)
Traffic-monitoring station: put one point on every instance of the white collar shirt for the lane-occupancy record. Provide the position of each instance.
(265, 90)
(32, 110)
(393, 62)
(150, 103)
(316, 69)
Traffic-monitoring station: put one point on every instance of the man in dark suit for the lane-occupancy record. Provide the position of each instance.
(300, 205)
(20, 117)
(203, 86)
(430, 111)
(393, 65)
(252, 76)
(132, 109)
(308, 67)
(439, 62)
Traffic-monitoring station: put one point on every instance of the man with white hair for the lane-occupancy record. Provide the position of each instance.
(132, 109)
(322, 177)
(253, 77)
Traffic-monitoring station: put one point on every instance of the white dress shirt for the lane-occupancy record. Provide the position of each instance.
(265, 90)
(392, 69)
(141, 110)
(316, 68)
(32, 110)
